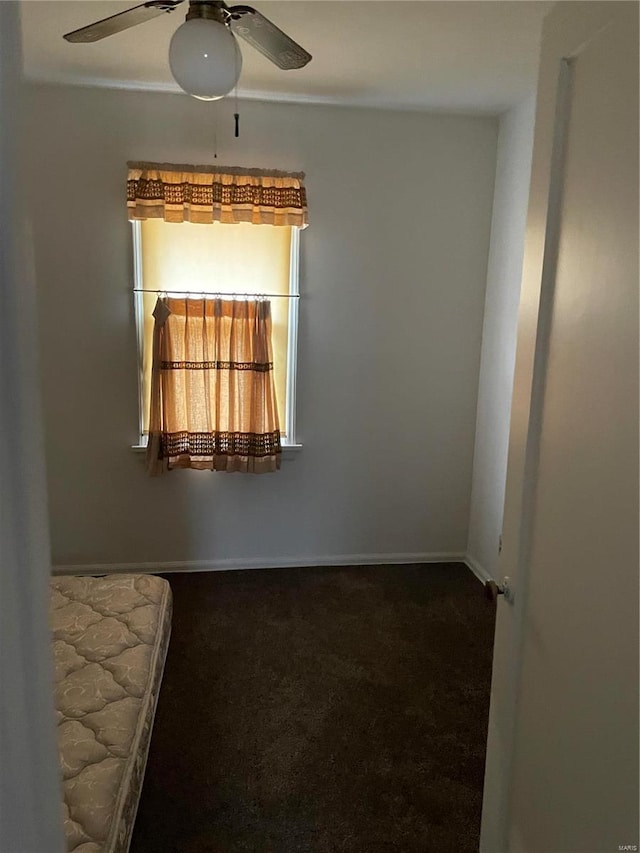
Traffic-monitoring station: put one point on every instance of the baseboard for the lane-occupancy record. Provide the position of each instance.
(479, 571)
(259, 563)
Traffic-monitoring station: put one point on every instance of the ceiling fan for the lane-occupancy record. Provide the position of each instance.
(203, 55)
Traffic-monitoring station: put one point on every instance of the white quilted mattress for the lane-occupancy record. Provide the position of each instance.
(110, 637)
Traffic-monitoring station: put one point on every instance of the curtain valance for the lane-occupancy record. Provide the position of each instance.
(206, 194)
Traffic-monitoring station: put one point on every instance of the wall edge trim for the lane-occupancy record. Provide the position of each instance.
(245, 563)
(478, 570)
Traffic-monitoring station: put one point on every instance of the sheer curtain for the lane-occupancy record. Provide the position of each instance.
(213, 401)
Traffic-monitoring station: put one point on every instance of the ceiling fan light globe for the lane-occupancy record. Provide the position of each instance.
(205, 59)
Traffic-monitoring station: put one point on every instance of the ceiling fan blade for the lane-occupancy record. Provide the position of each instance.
(267, 38)
(122, 21)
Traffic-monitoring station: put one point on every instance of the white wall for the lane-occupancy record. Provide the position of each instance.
(393, 281)
(30, 814)
(513, 173)
(562, 756)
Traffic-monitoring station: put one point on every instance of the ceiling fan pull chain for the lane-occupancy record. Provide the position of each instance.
(236, 115)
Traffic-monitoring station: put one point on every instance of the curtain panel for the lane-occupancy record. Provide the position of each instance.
(213, 401)
(206, 194)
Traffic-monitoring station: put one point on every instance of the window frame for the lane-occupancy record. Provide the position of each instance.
(288, 443)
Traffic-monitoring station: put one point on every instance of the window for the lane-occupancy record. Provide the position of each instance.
(218, 306)
(236, 259)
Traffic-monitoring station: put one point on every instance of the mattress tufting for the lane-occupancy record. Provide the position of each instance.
(110, 637)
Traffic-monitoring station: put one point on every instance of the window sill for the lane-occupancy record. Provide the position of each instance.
(289, 451)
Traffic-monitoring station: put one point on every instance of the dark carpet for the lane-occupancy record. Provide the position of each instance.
(324, 710)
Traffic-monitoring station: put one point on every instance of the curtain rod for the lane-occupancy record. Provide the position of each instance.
(218, 293)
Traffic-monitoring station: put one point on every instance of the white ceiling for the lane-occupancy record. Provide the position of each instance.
(478, 57)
